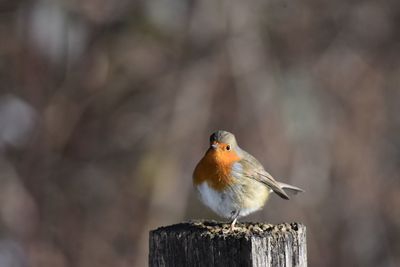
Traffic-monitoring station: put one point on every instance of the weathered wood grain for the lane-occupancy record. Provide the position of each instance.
(208, 243)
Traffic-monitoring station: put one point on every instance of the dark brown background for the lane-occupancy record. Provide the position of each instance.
(106, 107)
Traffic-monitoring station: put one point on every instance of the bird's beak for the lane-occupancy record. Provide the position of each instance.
(214, 145)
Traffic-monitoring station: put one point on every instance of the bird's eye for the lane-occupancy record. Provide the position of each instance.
(228, 147)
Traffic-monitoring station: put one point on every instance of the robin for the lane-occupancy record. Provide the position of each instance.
(231, 182)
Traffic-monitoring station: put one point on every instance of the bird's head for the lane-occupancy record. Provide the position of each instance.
(223, 147)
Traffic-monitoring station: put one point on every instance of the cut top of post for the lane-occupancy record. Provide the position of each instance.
(209, 243)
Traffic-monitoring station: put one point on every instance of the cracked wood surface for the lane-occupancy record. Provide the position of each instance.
(210, 243)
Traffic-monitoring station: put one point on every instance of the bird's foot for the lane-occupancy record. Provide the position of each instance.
(232, 227)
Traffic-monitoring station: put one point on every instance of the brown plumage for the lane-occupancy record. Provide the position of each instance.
(231, 181)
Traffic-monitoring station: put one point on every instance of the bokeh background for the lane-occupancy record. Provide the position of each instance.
(107, 106)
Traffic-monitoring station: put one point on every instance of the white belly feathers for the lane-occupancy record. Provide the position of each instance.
(241, 198)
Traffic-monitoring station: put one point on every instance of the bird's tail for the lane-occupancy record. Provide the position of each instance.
(291, 188)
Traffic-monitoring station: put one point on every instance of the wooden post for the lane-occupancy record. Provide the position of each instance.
(208, 243)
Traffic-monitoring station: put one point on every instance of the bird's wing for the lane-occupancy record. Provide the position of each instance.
(254, 170)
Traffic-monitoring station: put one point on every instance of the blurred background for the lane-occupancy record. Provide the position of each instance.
(107, 106)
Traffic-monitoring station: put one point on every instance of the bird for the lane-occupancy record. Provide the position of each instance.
(233, 183)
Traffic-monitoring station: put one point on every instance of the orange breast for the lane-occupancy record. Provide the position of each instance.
(215, 169)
